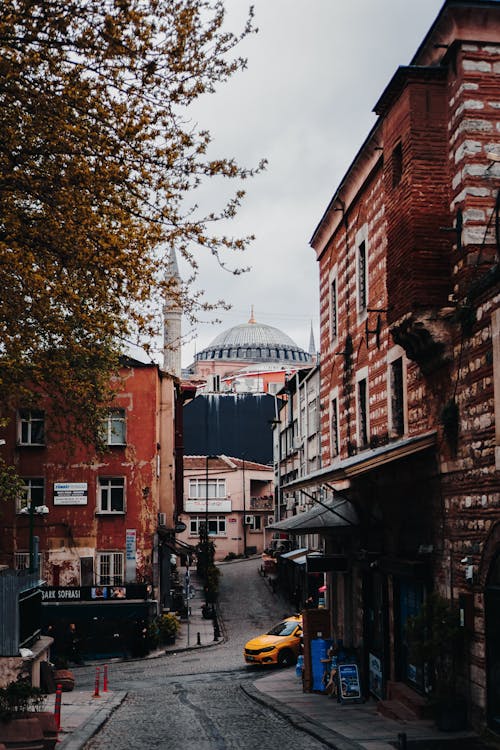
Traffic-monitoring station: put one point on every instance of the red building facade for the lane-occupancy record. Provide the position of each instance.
(96, 516)
(408, 250)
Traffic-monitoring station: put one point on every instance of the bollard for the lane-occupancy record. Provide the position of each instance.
(216, 630)
(198, 639)
(57, 707)
(402, 741)
(97, 679)
(105, 679)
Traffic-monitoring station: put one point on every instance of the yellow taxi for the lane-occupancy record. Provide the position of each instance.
(280, 645)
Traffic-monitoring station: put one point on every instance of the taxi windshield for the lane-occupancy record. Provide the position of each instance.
(283, 628)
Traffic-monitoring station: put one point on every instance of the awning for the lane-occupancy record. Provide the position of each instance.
(334, 514)
(365, 461)
(294, 553)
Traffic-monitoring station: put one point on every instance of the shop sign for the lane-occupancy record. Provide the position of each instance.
(348, 676)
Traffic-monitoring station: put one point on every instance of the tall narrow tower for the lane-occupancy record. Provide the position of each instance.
(172, 320)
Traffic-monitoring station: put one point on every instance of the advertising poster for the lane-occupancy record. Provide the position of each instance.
(349, 682)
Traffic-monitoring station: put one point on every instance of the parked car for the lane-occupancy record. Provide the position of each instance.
(280, 645)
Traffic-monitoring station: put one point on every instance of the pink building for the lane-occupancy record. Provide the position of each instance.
(234, 496)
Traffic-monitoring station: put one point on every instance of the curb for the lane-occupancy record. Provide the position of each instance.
(80, 736)
(328, 737)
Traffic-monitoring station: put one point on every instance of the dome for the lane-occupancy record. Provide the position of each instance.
(254, 342)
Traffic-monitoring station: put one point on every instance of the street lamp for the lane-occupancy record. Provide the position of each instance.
(244, 511)
(206, 542)
(31, 510)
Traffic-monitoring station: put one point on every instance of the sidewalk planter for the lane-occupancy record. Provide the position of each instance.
(65, 678)
(49, 728)
(22, 732)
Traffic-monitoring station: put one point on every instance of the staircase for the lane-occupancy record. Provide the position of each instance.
(403, 703)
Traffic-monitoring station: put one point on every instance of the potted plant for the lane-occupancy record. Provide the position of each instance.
(168, 627)
(19, 725)
(435, 640)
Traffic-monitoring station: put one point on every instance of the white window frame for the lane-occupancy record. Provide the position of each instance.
(27, 419)
(116, 417)
(22, 561)
(116, 569)
(362, 239)
(195, 522)
(108, 485)
(362, 376)
(31, 485)
(198, 488)
(256, 523)
(393, 355)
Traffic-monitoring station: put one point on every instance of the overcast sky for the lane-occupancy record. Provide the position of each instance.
(315, 70)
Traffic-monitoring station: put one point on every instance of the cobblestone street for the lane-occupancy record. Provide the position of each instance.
(194, 699)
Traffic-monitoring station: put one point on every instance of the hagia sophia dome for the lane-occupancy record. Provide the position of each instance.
(254, 342)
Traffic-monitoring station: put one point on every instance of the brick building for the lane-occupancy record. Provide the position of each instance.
(408, 251)
(103, 522)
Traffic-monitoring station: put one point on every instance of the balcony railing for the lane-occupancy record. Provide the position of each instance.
(265, 502)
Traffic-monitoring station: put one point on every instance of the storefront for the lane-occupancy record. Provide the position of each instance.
(97, 622)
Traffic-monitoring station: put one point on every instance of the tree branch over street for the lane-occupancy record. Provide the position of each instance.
(99, 164)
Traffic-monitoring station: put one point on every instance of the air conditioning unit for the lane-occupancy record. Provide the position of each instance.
(297, 444)
(162, 519)
(248, 520)
(270, 520)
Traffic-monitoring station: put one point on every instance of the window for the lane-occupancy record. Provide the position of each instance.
(397, 165)
(111, 497)
(109, 568)
(312, 417)
(255, 523)
(363, 429)
(198, 489)
(334, 427)
(333, 310)
(31, 427)
(216, 525)
(22, 561)
(33, 492)
(113, 427)
(396, 391)
(361, 278)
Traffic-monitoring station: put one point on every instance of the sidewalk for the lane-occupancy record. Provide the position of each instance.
(351, 727)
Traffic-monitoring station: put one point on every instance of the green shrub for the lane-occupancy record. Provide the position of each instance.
(168, 626)
(18, 698)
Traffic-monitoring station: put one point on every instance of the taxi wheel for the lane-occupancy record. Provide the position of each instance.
(286, 658)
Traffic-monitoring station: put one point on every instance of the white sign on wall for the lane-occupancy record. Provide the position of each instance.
(214, 506)
(70, 493)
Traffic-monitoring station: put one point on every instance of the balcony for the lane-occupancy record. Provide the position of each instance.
(264, 502)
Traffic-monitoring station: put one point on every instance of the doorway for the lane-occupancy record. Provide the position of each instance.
(492, 616)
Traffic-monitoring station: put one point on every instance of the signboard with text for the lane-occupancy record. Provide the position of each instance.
(349, 686)
(214, 506)
(70, 493)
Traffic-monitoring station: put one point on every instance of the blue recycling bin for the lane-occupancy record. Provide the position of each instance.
(319, 651)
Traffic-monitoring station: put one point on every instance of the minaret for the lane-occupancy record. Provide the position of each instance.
(312, 345)
(172, 320)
